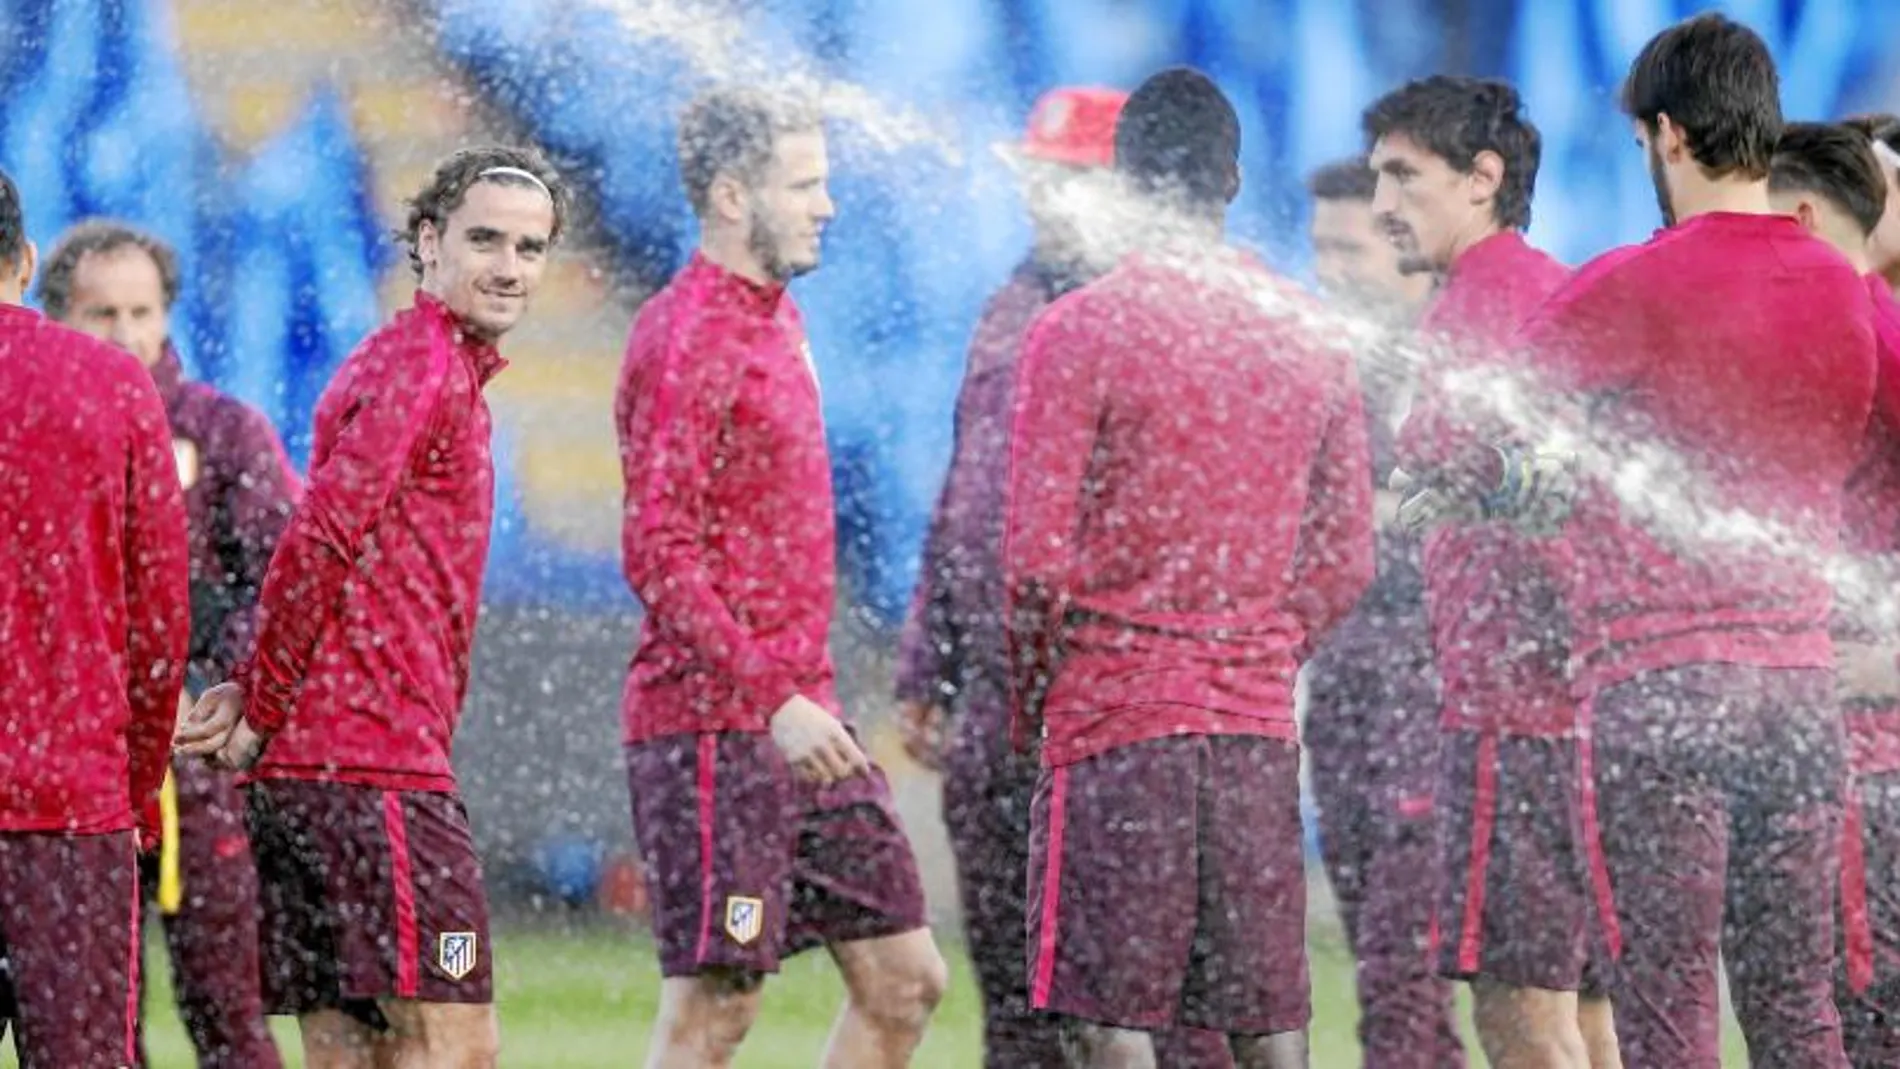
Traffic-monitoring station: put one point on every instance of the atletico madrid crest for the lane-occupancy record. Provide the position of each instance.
(455, 954)
(745, 918)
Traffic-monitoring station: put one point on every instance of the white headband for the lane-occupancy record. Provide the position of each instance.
(516, 172)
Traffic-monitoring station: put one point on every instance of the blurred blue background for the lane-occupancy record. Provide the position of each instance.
(286, 253)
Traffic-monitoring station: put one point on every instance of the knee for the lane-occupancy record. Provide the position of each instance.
(1098, 1046)
(479, 1045)
(711, 1015)
(903, 998)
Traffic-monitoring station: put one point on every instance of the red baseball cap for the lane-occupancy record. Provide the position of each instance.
(1073, 126)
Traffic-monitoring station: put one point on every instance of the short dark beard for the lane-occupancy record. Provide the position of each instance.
(1660, 178)
(763, 244)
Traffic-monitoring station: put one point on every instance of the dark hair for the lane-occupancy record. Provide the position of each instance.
(1878, 126)
(1883, 128)
(1835, 161)
(1716, 81)
(1455, 118)
(459, 172)
(100, 237)
(1179, 134)
(12, 221)
(1347, 179)
(733, 131)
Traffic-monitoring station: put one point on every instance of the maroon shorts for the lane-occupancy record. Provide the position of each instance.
(745, 865)
(1514, 904)
(1867, 983)
(367, 894)
(1167, 885)
(69, 963)
(1717, 809)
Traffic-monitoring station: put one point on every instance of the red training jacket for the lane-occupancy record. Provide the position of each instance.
(1498, 629)
(239, 494)
(94, 600)
(728, 535)
(1729, 364)
(1870, 531)
(1190, 505)
(368, 612)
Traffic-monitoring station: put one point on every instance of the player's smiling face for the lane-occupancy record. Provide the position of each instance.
(789, 205)
(488, 257)
(1426, 201)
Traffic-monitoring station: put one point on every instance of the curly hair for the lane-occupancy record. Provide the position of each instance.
(733, 130)
(459, 172)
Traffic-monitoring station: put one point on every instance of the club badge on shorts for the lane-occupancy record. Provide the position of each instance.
(745, 918)
(185, 452)
(455, 954)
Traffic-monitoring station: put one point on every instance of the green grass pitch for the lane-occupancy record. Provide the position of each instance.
(582, 999)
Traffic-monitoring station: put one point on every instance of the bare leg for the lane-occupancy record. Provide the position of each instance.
(438, 1035)
(1528, 1027)
(893, 985)
(1597, 1021)
(1099, 1046)
(333, 1039)
(704, 1018)
(1281, 1050)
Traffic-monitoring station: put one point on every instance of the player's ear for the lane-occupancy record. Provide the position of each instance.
(726, 197)
(1807, 215)
(428, 243)
(1668, 138)
(1487, 174)
(29, 265)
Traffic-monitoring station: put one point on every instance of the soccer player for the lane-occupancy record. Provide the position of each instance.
(1828, 178)
(1456, 160)
(764, 828)
(94, 608)
(953, 675)
(1884, 246)
(118, 284)
(1727, 367)
(1355, 252)
(375, 922)
(1189, 511)
(1371, 729)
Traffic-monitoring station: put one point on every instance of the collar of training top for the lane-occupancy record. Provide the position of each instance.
(169, 373)
(482, 356)
(726, 286)
(1496, 247)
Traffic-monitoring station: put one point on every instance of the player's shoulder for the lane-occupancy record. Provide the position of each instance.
(82, 364)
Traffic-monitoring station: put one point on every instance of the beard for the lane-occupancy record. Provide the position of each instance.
(765, 244)
(1660, 178)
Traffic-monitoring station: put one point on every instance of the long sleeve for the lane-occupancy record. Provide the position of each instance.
(1058, 416)
(390, 402)
(669, 445)
(1336, 559)
(927, 646)
(257, 509)
(157, 600)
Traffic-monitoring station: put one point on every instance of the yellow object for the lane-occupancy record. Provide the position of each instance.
(171, 882)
